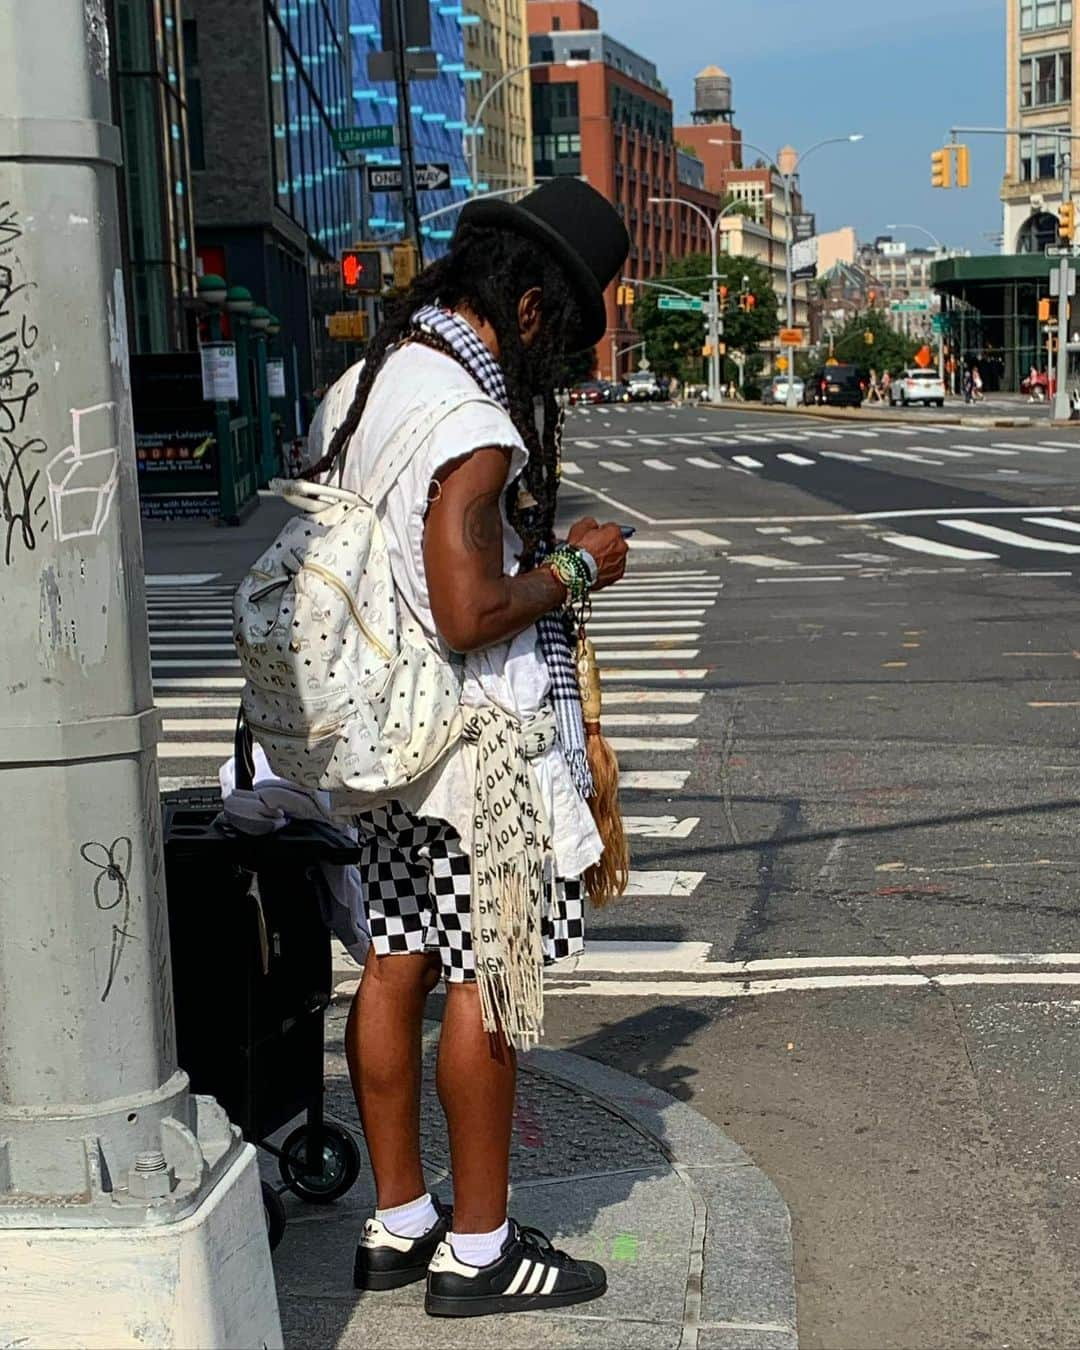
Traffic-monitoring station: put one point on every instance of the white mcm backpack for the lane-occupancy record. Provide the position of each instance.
(342, 688)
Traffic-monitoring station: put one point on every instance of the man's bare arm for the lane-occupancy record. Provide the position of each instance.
(474, 603)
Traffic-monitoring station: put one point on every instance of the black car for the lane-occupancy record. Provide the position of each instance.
(837, 386)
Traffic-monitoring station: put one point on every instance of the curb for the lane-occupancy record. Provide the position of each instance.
(741, 1246)
(866, 415)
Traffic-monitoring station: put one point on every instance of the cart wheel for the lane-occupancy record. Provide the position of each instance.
(274, 1211)
(340, 1164)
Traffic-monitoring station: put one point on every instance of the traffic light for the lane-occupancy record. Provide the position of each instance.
(1067, 220)
(941, 169)
(723, 294)
(1044, 309)
(963, 166)
(871, 296)
(361, 270)
(625, 296)
(405, 265)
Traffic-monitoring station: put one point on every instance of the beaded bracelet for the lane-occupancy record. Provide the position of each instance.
(571, 569)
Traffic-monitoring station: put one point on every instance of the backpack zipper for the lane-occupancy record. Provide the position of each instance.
(316, 734)
(332, 581)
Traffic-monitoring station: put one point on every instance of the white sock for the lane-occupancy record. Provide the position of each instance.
(412, 1220)
(480, 1249)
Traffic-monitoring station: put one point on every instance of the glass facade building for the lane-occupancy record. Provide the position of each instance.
(439, 122)
(309, 97)
(150, 106)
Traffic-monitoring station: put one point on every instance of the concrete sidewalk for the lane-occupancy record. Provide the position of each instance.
(695, 1239)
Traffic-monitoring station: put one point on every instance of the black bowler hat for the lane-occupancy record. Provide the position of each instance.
(576, 224)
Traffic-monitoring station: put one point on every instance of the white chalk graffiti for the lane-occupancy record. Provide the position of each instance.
(83, 476)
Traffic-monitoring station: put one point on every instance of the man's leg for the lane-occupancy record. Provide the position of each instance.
(476, 1080)
(383, 1047)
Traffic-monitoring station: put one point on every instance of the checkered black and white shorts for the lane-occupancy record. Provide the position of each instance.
(418, 897)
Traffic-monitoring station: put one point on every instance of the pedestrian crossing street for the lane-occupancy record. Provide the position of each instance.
(648, 633)
(884, 446)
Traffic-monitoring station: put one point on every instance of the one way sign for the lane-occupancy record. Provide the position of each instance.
(387, 178)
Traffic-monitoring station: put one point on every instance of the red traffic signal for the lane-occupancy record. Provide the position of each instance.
(361, 270)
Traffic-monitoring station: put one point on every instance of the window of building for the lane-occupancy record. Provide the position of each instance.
(1045, 79)
(556, 24)
(579, 54)
(193, 82)
(1039, 158)
(1044, 14)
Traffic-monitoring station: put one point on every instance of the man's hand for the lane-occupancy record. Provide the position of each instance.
(607, 546)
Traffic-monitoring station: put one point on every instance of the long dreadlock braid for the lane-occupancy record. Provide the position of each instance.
(490, 270)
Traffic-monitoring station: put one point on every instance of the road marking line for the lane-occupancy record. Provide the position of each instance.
(685, 440)
(660, 464)
(760, 560)
(674, 654)
(940, 450)
(704, 463)
(651, 543)
(984, 449)
(215, 682)
(773, 529)
(869, 435)
(747, 462)
(669, 626)
(159, 649)
(748, 437)
(181, 725)
(791, 458)
(775, 579)
(664, 883)
(1033, 449)
(165, 663)
(629, 957)
(166, 579)
(839, 454)
(1053, 523)
(1048, 704)
(802, 540)
(193, 703)
(650, 719)
(624, 697)
(900, 431)
(823, 435)
(1061, 445)
(661, 827)
(654, 780)
(903, 454)
(1010, 537)
(641, 676)
(651, 440)
(194, 749)
(613, 466)
(571, 469)
(654, 637)
(663, 990)
(623, 445)
(919, 545)
(702, 537)
(586, 445)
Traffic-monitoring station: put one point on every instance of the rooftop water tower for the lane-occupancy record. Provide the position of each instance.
(712, 97)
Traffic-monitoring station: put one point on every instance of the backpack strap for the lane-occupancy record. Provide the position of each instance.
(407, 439)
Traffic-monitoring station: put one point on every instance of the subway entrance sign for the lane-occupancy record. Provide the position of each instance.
(683, 302)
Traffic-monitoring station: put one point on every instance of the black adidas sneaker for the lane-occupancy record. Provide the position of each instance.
(386, 1261)
(528, 1274)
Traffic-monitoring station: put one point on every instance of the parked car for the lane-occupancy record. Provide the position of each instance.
(620, 393)
(917, 386)
(776, 391)
(644, 387)
(837, 386)
(592, 391)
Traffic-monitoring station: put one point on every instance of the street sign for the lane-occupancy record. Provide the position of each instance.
(939, 323)
(791, 337)
(365, 138)
(275, 377)
(781, 364)
(348, 325)
(683, 302)
(1055, 282)
(921, 306)
(923, 358)
(219, 378)
(387, 178)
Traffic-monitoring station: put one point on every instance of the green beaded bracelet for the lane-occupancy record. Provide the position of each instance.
(571, 569)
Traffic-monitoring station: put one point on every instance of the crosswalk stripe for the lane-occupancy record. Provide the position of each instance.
(839, 454)
(868, 435)
(164, 663)
(1032, 449)
(685, 440)
(586, 445)
(660, 827)
(674, 654)
(668, 626)
(649, 719)
(985, 449)
(654, 780)
(661, 464)
(747, 462)
(666, 745)
(701, 537)
(795, 459)
(572, 470)
(641, 675)
(623, 445)
(215, 682)
(1061, 445)
(919, 545)
(940, 450)
(650, 440)
(704, 463)
(903, 454)
(613, 466)
(1010, 537)
(1053, 523)
(219, 750)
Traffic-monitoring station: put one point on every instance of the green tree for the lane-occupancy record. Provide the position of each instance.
(888, 351)
(579, 367)
(675, 338)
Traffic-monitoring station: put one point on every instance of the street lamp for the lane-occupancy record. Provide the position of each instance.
(786, 179)
(922, 230)
(474, 125)
(715, 323)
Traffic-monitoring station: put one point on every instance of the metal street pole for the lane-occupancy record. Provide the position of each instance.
(1062, 406)
(228, 512)
(130, 1210)
(409, 196)
(788, 290)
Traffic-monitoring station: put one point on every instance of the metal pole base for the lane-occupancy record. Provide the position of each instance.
(205, 1281)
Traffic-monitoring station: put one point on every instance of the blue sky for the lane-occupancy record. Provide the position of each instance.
(805, 69)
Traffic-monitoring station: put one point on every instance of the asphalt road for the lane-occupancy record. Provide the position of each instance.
(842, 678)
(872, 984)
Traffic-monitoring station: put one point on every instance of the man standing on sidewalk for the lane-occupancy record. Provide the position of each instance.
(469, 524)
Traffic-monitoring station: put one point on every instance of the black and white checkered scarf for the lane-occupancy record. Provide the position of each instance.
(556, 639)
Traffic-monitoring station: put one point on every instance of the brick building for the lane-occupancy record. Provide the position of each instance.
(600, 111)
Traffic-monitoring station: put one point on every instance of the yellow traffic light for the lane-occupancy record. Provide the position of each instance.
(405, 265)
(963, 166)
(624, 295)
(1067, 220)
(941, 169)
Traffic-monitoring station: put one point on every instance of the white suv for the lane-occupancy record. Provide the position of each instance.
(917, 386)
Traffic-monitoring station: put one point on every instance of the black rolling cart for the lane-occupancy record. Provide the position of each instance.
(251, 974)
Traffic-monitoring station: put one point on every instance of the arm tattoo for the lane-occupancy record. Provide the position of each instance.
(481, 522)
